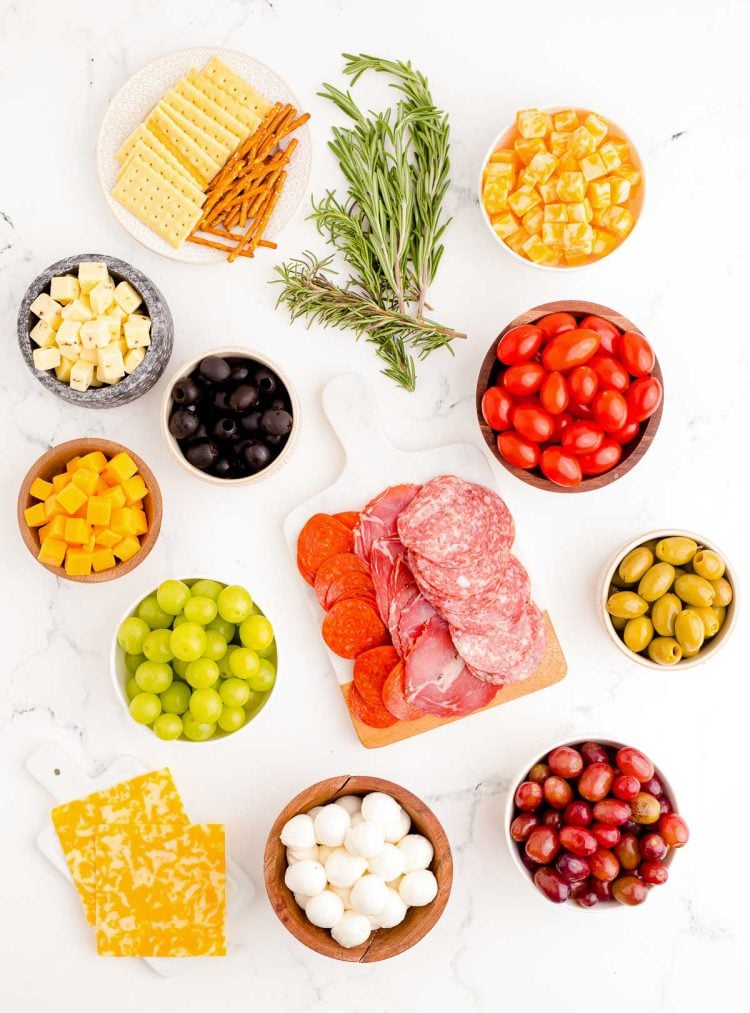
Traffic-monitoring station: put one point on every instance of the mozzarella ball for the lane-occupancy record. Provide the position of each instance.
(364, 840)
(325, 909)
(324, 853)
(353, 930)
(398, 827)
(418, 888)
(312, 813)
(417, 852)
(345, 893)
(306, 877)
(294, 855)
(392, 914)
(357, 818)
(301, 900)
(388, 863)
(343, 869)
(352, 803)
(379, 808)
(331, 825)
(298, 832)
(369, 895)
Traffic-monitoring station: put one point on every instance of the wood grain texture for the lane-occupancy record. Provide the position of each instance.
(53, 462)
(632, 452)
(383, 943)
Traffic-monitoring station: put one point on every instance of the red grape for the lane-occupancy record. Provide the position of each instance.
(528, 796)
(542, 844)
(572, 868)
(654, 787)
(606, 835)
(578, 814)
(674, 830)
(595, 782)
(602, 888)
(557, 792)
(626, 787)
(552, 885)
(645, 808)
(592, 752)
(539, 773)
(629, 890)
(604, 865)
(565, 761)
(628, 852)
(635, 763)
(522, 826)
(665, 806)
(653, 847)
(612, 811)
(552, 818)
(578, 840)
(654, 873)
(585, 897)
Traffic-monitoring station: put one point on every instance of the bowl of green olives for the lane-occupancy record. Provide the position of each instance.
(669, 598)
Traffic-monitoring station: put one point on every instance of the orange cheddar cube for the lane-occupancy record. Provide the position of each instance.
(504, 155)
(558, 142)
(106, 537)
(91, 543)
(567, 163)
(533, 123)
(541, 167)
(45, 532)
(102, 559)
(571, 187)
(526, 149)
(495, 196)
(597, 127)
(552, 233)
(593, 167)
(579, 212)
(41, 489)
(555, 213)
(35, 516)
(618, 220)
(574, 259)
(548, 191)
(77, 563)
(116, 494)
(52, 508)
(57, 526)
(599, 193)
(101, 487)
(532, 220)
(582, 142)
(578, 238)
(538, 251)
(60, 481)
(523, 199)
(604, 243)
(85, 479)
(566, 120)
(610, 156)
(619, 190)
(516, 241)
(70, 498)
(126, 548)
(628, 172)
(497, 171)
(141, 522)
(622, 148)
(96, 461)
(123, 521)
(81, 511)
(99, 510)
(505, 224)
(52, 551)
(121, 467)
(72, 464)
(77, 531)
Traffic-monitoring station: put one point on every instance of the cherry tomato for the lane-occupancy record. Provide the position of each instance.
(496, 407)
(644, 397)
(610, 410)
(583, 383)
(517, 450)
(628, 432)
(636, 354)
(523, 379)
(608, 332)
(604, 458)
(556, 323)
(562, 421)
(533, 422)
(519, 344)
(553, 393)
(582, 437)
(612, 374)
(560, 468)
(572, 348)
(581, 411)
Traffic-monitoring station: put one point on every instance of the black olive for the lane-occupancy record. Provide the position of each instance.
(214, 368)
(186, 391)
(201, 432)
(222, 467)
(220, 400)
(265, 380)
(225, 429)
(278, 405)
(202, 454)
(257, 455)
(239, 373)
(275, 441)
(276, 423)
(183, 424)
(251, 423)
(243, 397)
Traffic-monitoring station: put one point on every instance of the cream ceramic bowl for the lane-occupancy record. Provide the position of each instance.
(502, 140)
(710, 646)
(239, 352)
(520, 776)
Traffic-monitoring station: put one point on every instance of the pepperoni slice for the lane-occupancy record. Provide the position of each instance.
(348, 517)
(331, 569)
(352, 627)
(320, 538)
(394, 699)
(309, 577)
(374, 715)
(371, 669)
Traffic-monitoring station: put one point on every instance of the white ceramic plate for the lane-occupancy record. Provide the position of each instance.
(140, 94)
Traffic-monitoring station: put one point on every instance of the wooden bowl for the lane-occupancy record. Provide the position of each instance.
(383, 943)
(631, 453)
(53, 462)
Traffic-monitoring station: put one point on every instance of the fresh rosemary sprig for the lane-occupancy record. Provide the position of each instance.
(389, 228)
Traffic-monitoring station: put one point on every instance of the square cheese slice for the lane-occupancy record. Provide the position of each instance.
(161, 890)
(149, 798)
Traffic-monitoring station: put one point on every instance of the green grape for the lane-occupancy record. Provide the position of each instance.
(175, 698)
(264, 679)
(131, 634)
(132, 661)
(132, 689)
(150, 612)
(168, 727)
(194, 730)
(226, 629)
(188, 642)
(171, 596)
(231, 719)
(256, 632)
(267, 652)
(234, 603)
(179, 620)
(202, 673)
(224, 663)
(180, 667)
(234, 692)
(216, 645)
(145, 708)
(205, 705)
(200, 610)
(207, 589)
(255, 702)
(244, 663)
(156, 646)
(153, 676)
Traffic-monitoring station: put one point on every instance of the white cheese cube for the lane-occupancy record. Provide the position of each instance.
(111, 362)
(113, 324)
(101, 297)
(62, 372)
(126, 297)
(69, 333)
(133, 359)
(77, 310)
(89, 355)
(122, 344)
(100, 376)
(90, 273)
(46, 358)
(137, 331)
(71, 352)
(42, 334)
(95, 333)
(96, 382)
(65, 288)
(45, 307)
(81, 375)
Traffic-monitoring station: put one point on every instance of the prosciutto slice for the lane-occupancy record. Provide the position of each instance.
(379, 517)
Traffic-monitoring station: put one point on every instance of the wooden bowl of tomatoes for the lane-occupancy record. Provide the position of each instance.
(569, 396)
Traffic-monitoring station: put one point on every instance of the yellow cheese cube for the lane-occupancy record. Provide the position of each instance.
(552, 233)
(578, 238)
(505, 224)
(116, 494)
(137, 328)
(47, 309)
(621, 147)
(558, 142)
(593, 167)
(132, 359)
(516, 240)
(618, 220)
(628, 172)
(575, 259)
(102, 559)
(567, 163)
(566, 120)
(604, 243)
(504, 155)
(107, 537)
(90, 273)
(494, 197)
(52, 508)
(55, 528)
(91, 543)
(597, 126)
(580, 212)
(571, 186)
(135, 489)
(555, 213)
(46, 358)
(63, 371)
(141, 522)
(82, 374)
(526, 149)
(532, 220)
(610, 156)
(35, 515)
(126, 548)
(541, 167)
(86, 480)
(77, 530)
(495, 171)
(533, 123)
(89, 355)
(95, 461)
(101, 487)
(124, 521)
(524, 199)
(536, 250)
(548, 191)
(45, 532)
(121, 467)
(60, 481)
(64, 288)
(98, 510)
(41, 489)
(582, 142)
(599, 193)
(77, 563)
(126, 297)
(620, 190)
(42, 334)
(71, 498)
(95, 333)
(52, 551)
(77, 310)
(102, 296)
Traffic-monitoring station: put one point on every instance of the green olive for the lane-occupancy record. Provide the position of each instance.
(626, 605)
(638, 634)
(664, 651)
(689, 631)
(721, 614)
(694, 590)
(708, 564)
(723, 590)
(709, 619)
(691, 654)
(619, 623)
(635, 564)
(676, 550)
(664, 612)
(656, 581)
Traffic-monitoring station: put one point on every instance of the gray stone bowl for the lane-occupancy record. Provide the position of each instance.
(141, 379)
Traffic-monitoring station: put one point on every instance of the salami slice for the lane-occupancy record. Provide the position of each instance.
(509, 656)
(371, 669)
(353, 626)
(350, 518)
(322, 537)
(466, 579)
(379, 517)
(495, 609)
(333, 567)
(373, 715)
(394, 699)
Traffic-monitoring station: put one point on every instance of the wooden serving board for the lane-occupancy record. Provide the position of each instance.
(373, 463)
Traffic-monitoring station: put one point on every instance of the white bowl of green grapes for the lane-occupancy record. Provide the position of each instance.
(194, 660)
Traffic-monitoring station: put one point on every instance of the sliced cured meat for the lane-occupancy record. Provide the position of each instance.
(437, 681)
(394, 699)
(379, 517)
(306, 574)
(321, 537)
(465, 580)
(371, 670)
(509, 656)
(350, 585)
(412, 620)
(496, 608)
(333, 567)
(375, 715)
(348, 517)
(353, 626)
(384, 553)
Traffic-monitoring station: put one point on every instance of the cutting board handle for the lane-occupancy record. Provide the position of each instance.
(349, 405)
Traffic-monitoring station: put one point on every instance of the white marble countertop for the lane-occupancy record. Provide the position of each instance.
(675, 74)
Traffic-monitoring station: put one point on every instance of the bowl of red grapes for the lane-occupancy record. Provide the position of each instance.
(594, 824)
(230, 416)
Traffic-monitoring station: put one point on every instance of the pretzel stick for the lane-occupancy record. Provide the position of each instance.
(262, 220)
(217, 246)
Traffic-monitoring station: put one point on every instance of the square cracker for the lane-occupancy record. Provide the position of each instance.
(215, 150)
(216, 112)
(201, 164)
(149, 138)
(161, 891)
(149, 798)
(196, 116)
(180, 180)
(156, 202)
(224, 77)
(212, 91)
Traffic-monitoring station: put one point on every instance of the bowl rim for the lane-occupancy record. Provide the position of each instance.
(519, 776)
(86, 445)
(239, 352)
(557, 108)
(131, 386)
(532, 477)
(114, 658)
(716, 642)
(320, 940)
